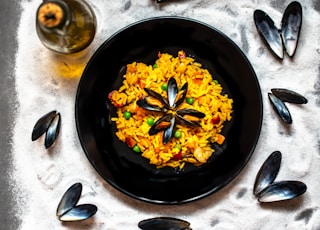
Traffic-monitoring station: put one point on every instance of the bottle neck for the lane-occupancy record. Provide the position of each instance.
(54, 16)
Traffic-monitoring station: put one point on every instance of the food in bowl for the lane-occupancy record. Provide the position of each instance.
(172, 111)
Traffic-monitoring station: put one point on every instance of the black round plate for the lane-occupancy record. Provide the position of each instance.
(131, 173)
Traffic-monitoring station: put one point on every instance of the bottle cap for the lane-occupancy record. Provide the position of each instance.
(52, 14)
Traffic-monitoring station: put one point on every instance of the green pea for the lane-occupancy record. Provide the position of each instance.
(216, 82)
(164, 87)
(150, 121)
(177, 134)
(127, 115)
(137, 149)
(178, 146)
(155, 66)
(190, 100)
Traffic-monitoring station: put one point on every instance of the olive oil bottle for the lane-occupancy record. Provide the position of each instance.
(65, 26)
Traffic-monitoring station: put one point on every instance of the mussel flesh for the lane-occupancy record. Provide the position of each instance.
(68, 210)
(268, 172)
(189, 117)
(161, 124)
(164, 223)
(284, 39)
(181, 95)
(167, 124)
(283, 190)
(153, 102)
(290, 96)
(280, 108)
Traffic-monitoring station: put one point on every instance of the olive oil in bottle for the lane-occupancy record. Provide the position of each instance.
(65, 26)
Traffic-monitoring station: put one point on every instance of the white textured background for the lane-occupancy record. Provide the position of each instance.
(45, 81)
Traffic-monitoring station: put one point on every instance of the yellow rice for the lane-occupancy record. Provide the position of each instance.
(194, 144)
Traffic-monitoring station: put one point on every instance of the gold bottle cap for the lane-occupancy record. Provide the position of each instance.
(51, 14)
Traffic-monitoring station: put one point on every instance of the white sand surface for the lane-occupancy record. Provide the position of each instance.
(45, 81)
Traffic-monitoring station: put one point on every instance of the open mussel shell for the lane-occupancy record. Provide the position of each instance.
(172, 91)
(53, 131)
(268, 172)
(280, 108)
(167, 124)
(69, 199)
(164, 223)
(269, 33)
(283, 190)
(144, 103)
(189, 117)
(157, 96)
(191, 112)
(167, 134)
(80, 212)
(180, 97)
(162, 123)
(290, 96)
(290, 27)
(42, 125)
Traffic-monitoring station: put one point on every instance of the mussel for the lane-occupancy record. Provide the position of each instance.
(53, 131)
(279, 96)
(80, 212)
(42, 125)
(290, 96)
(291, 26)
(164, 223)
(189, 117)
(49, 124)
(265, 187)
(268, 172)
(175, 96)
(280, 108)
(153, 102)
(283, 39)
(282, 190)
(166, 123)
(170, 109)
(68, 210)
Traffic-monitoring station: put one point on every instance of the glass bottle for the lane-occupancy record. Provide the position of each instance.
(65, 26)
